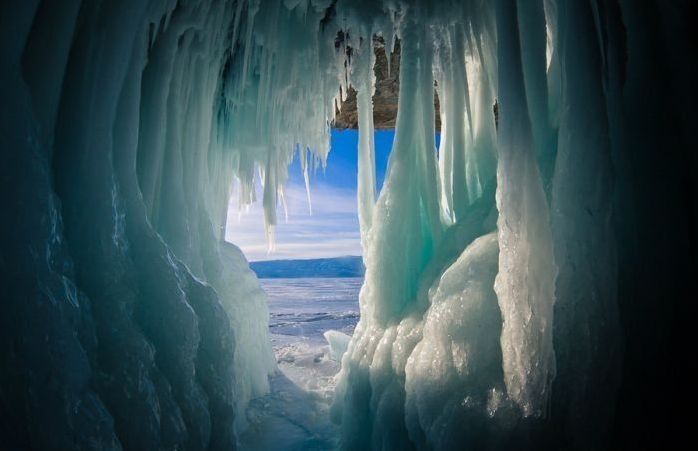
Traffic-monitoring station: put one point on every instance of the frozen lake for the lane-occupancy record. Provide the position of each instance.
(300, 311)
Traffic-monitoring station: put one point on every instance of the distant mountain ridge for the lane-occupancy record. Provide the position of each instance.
(347, 266)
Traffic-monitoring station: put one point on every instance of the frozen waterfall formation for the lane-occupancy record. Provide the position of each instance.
(524, 283)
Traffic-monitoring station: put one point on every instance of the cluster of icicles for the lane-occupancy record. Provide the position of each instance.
(460, 246)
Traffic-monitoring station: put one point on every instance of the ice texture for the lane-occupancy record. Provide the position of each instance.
(363, 79)
(587, 333)
(523, 284)
(338, 342)
(454, 374)
(152, 328)
(456, 344)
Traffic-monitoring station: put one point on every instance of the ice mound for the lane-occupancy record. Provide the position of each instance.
(338, 342)
(308, 365)
(456, 368)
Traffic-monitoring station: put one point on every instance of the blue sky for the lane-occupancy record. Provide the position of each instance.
(333, 228)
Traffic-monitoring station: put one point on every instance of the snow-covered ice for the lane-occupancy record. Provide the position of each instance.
(311, 320)
(302, 310)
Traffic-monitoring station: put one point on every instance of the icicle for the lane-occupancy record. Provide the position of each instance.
(236, 23)
(260, 173)
(269, 202)
(271, 238)
(252, 8)
(390, 47)
(461, 37)
(282, 198)
(474, 161)
(445, 150)
(456, 157)
(306, 180)
(531, 17)
(457, 116)
(407, 216)
(364, 81)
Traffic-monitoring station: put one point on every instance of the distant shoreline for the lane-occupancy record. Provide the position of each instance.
(345, 266)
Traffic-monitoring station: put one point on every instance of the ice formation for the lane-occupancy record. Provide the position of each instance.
(520, 280)
(338, 342)
(526, 297)
(454, 374)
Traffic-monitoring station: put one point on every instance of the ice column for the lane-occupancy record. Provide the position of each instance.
(532, 30)
(406, 228)
(407, 210)
(455, 102)
(525, 283)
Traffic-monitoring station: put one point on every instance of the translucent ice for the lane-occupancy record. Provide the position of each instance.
(338, 342)
(525, 284)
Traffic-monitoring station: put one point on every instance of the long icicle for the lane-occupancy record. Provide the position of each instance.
(365, 82)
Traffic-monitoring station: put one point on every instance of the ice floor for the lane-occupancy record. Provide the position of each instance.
(288, 418)
(294, 415)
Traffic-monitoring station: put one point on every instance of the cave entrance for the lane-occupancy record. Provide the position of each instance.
(312, 268)
(305, 204)
(311, 277)
(314, 271)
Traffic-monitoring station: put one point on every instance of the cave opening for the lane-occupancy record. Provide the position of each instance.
(311, 278)
(522, 287)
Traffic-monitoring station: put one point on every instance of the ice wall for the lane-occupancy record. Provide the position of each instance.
(130, 324)
(128, 122)
(585, 242)
(447, 355)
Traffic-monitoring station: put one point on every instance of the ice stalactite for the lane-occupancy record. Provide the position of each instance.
(483, 85)
(457, 122)
(407, 214)
(525, 284)
(533, 42)
(306, 179)
(363, 79)
(266, 114)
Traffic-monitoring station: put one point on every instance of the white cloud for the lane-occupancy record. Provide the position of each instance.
(331, 231)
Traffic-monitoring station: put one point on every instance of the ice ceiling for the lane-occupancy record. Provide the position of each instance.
(521, 284)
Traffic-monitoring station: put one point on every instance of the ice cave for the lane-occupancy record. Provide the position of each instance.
(528, 281)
